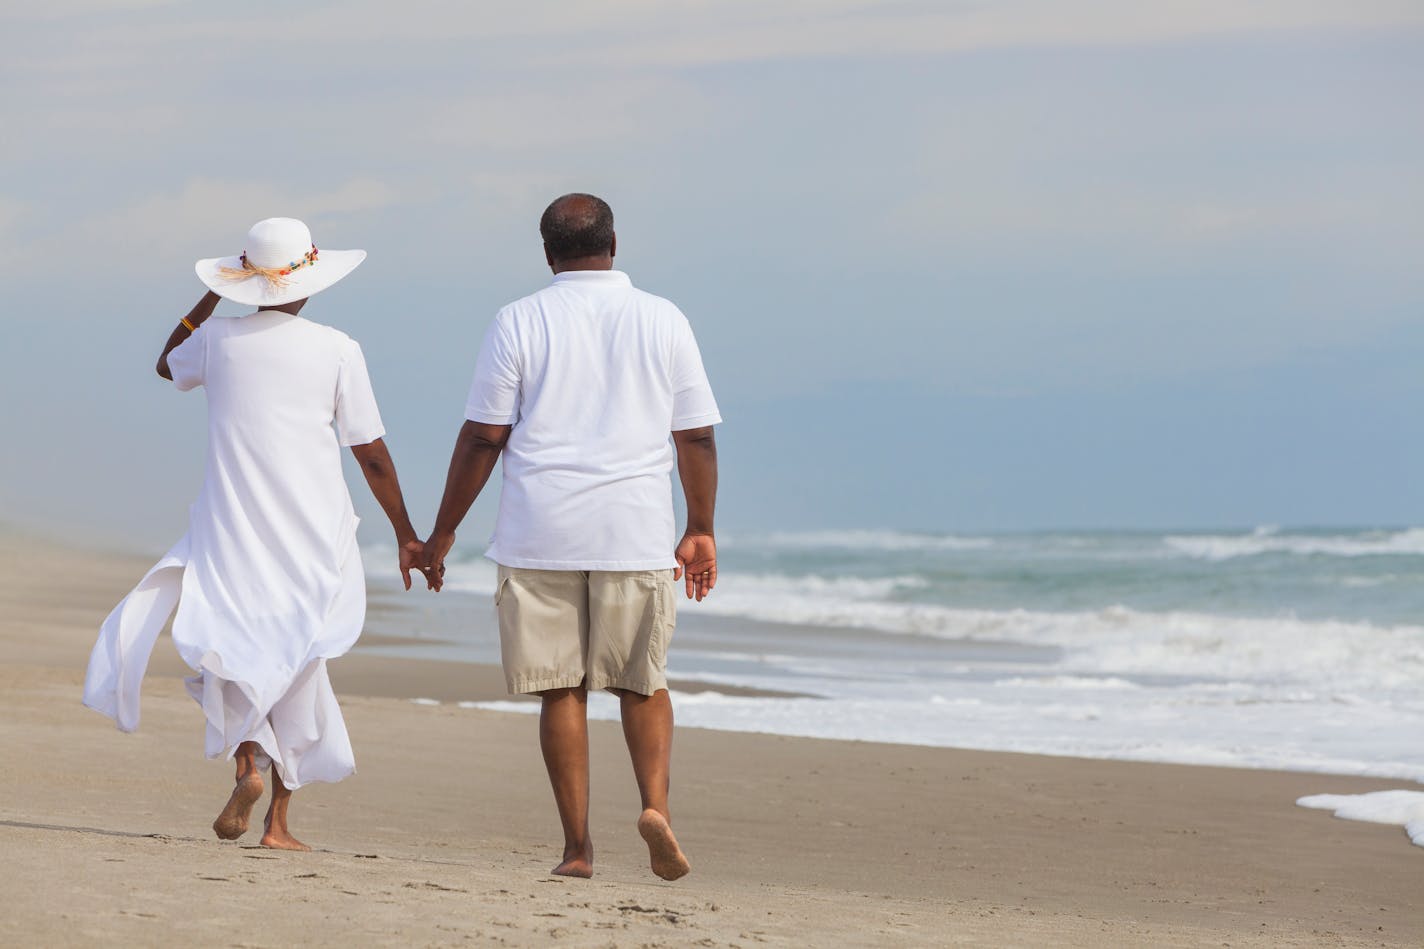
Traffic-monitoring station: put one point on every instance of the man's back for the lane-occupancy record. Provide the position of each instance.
(578, 388)
(593, 374)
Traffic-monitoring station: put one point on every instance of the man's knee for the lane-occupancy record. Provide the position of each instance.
(575, 692)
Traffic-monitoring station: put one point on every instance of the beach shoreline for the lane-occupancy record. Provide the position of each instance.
(1280, 649)
(446, 832)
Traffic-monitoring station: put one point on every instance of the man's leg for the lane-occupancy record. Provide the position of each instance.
(232, 822)
(276, 834)
(543, 636)
(563, 737)
(647, 727)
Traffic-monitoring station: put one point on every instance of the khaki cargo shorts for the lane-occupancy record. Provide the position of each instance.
(603, 629)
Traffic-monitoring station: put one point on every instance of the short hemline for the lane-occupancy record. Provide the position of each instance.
(535, 686)
(706, 420)
(531, 686)
(642, 686)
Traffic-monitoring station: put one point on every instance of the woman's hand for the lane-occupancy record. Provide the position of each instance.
(412, 555)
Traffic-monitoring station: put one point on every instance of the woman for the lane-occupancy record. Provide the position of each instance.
(267, 581)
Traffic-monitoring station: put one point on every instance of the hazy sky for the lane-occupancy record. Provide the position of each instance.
(954, 266)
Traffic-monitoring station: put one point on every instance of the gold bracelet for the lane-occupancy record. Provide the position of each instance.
(191, 327)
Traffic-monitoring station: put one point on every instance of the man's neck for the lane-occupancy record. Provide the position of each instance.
(601, 262)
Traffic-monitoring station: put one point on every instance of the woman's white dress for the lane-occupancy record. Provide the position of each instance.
(267, 581)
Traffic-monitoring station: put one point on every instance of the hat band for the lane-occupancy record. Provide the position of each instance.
(276, 277)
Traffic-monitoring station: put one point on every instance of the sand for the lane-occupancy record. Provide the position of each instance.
(446, 833)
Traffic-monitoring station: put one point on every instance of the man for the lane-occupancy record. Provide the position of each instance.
(578, 387)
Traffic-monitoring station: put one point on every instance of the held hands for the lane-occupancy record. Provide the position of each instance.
(432, 561)
(696, 563)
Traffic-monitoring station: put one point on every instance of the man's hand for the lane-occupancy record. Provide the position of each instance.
(697, 563)
(411, 558)
(477, 448)
(433, 559)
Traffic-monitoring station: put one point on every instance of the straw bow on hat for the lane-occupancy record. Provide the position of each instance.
(279, 264)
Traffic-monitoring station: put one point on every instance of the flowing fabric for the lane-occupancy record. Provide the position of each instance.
(267, 582)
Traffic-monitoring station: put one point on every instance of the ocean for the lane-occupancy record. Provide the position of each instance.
(1266, 648)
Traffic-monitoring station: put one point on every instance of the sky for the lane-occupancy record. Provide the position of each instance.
(953, 266)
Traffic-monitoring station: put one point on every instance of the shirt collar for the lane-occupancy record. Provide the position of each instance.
(593, 278)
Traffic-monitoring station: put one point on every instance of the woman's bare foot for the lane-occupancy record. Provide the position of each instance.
(578, 862)
(665, 856)
(275, 833)
(280, 839)
(232, 822)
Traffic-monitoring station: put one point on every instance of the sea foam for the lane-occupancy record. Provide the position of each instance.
(1332, 654)
(1404, 808)
(1269, 540)
(883, 540)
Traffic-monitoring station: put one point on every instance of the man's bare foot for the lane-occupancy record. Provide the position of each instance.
(282, 840)
(232, 822)
(577, 863)
(665, 856)
(575, 867)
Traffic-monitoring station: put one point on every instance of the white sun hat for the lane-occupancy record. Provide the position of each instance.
(278, 264)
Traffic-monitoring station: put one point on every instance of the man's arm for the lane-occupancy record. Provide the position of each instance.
(195, 318)
(380, 472)
(476, 450)
(697, 551)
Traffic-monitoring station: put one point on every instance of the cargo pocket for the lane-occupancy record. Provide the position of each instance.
(664, 618)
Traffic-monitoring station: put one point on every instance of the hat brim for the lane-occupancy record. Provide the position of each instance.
(329, 267)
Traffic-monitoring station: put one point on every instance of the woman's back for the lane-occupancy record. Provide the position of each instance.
(279, 381)
(273, 526)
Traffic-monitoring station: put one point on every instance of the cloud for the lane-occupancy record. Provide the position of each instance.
(12, 213)
(68, 9)
(206, 217)
(710, 34)
(202, 201)
(539, 115)
(641, 34)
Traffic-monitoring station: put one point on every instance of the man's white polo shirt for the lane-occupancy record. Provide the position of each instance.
(594, 375)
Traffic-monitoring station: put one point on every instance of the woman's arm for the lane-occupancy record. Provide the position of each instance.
(200, 312)
(380, 472)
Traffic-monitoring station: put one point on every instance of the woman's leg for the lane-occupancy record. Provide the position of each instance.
(276, 834)
(232, 822)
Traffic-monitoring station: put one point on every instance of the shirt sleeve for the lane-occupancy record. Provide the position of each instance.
(188, 361)
(358, 420)
(693, 405)
(494, 392)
